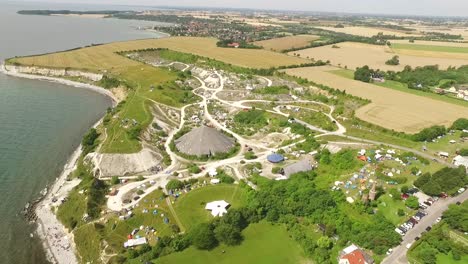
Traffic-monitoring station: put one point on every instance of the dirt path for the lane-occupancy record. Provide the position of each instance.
(174, 214)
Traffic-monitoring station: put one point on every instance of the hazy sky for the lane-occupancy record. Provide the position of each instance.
(404, 7)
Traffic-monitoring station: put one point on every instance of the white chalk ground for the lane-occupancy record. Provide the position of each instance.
(58, 242)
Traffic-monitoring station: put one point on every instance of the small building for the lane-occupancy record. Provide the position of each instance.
(135, 242)
(215, 181)
(354, 255)
(275, 158)
(233, 45)
(217, 208)
(444, 154)
(460, 161)
(300, 166)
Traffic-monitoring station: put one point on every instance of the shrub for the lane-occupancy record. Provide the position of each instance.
(174, 184)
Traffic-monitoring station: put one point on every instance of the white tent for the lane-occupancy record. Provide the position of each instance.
(217, 208)
(215, 181)
(135, 242)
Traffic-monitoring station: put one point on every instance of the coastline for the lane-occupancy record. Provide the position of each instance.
(57, 241)
(91, 87)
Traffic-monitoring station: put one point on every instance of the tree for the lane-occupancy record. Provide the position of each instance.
(363, 74)
(203, 237)
(324, 242)
(395, 60)
(174, 185)
(412, 202)
(460, 124)
(395, 194)
(457, 217)
(404, 189)
(401, 212)
(228, 234)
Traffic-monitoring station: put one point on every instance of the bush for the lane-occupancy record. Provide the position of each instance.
(395, 60)
(363, 74)
(460, 124)
(276, 170)
(250, 155)
(89, 142)
(115, 180)
(412, 202)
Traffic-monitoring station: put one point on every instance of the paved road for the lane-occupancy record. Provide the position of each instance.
(399, 253)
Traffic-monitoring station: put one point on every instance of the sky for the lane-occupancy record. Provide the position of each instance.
(396, 7)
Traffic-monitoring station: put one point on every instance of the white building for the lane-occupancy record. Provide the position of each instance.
(217, 208)
(460, 161)
(135, 242)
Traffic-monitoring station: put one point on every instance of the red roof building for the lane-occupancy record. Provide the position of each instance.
(354, 255)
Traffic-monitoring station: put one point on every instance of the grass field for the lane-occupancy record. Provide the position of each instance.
(404, 88)
(190, 207)
(354, 55)
(285, 43)
(433, 51)
(389, 108)
(88, 244)
(103, 57)
(389, 208)
(430, 48)
(448, 259)
(136, 105)
(263, 244)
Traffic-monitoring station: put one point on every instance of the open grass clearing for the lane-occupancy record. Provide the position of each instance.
(263, 243)
(103, 57)
(190, 207)
(389, 108)
(353, 55)
(288, 42)
(448, 259)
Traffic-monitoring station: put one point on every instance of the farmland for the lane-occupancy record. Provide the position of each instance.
(354, 55)
(389, 108)
(369, 31)
(103, 57)
(430, 50)
(285, 43)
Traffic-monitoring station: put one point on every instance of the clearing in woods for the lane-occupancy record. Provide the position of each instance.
(389, 108)
(104, 57)
(285, 43)
(353, 55)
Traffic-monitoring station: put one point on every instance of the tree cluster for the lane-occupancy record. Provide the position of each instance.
(447, 180)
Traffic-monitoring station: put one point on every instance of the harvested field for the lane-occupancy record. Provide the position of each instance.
(428, 49)
(285, 43)
(370, 31)
(103, 57)
(445, 30)
(354, 55)
(390, 108)
(430, 43)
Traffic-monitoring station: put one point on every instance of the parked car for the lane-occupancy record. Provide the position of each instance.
(409, 245)
(438, 219)
(461, 190)
(416, 238)
(428, 228)
(389, 251)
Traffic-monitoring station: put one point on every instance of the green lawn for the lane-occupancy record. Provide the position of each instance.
(448, 259)
(435, 48)
(264, 244)
(190, 207)
(389, 208)
(137, 102)
(349, 74)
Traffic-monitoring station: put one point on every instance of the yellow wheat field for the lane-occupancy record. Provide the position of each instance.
(285, 43)
(352, 55)
(389, 108)
(103, 57)
(370, 31)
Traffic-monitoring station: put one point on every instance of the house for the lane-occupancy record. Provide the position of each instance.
(354, 255)
(439, 91)
(234, 45)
